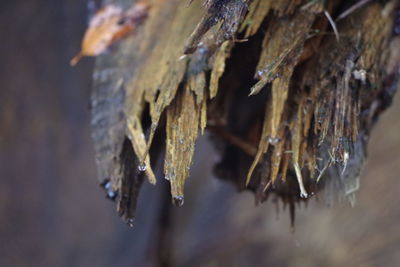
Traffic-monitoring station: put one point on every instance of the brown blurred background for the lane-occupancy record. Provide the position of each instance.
(53, 213)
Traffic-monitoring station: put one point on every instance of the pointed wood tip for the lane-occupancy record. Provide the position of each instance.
(76, 59)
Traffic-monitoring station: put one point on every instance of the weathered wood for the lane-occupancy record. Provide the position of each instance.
(321, 84)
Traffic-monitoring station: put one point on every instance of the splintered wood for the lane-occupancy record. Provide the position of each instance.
(293, 105)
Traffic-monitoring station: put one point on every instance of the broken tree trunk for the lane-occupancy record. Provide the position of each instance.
(289, 91)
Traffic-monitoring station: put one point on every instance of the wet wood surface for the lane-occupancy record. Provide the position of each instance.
(53, 213)
(289, 94)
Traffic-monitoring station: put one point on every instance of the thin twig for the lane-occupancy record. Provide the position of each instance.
(333, 24)
(353, 8)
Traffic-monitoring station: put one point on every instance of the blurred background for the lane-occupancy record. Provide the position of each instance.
(53, 213)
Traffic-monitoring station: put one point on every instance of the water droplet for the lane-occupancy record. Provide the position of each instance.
(178, 201)
(106, 184)
(142, 167)
(303, 194)
(112, 194)
(130, 222)
(273, 140)
(360, 75)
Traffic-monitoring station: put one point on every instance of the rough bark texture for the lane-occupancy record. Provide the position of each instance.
(290, 102)
(53, 213)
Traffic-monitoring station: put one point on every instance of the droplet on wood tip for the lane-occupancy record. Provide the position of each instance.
(130, 222)
(112, 195)
(303, 194)
(273, 140)
(178, 201)
(106, 184)
(142, 167)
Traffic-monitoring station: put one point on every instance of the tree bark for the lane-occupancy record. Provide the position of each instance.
(289, 94)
